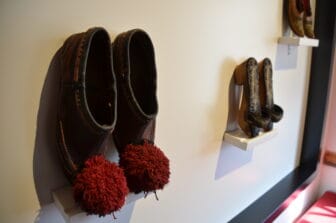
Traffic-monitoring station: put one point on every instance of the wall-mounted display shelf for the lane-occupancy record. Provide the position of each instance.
(240, 140)
(71, 212)
(298, 41)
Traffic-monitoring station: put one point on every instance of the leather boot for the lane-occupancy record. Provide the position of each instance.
(250, 116)
(146, 167)
(266, 93)
(86, 116)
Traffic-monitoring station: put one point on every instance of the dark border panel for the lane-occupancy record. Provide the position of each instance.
(267, 204)
(321, 67)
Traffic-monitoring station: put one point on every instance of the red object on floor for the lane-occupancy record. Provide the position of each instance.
(322, 211)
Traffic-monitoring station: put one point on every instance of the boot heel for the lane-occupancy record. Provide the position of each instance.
(254, 131)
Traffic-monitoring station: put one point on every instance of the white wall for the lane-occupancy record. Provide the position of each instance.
(198, 44)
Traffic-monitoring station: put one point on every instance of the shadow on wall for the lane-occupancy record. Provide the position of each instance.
(230, 158)
(47, 169)
(48, 173)
(217, 113)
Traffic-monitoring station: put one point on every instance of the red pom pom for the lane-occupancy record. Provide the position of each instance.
(145, 166)
(100, 188)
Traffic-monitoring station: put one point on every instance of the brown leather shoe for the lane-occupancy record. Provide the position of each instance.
(146, 167)
(308, 19)
(87, 111)
(86, 116)
(134, 65)
(295, 16)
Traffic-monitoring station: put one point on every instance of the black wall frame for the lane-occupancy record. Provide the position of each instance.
(321, 68)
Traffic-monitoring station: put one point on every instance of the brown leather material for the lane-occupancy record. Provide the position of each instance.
(86, 110)
(266, 92)
(250, 116)
(308, 19)
(295, 16)
(308, 27)
(137, 107)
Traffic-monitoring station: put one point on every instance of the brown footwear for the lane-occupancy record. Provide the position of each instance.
(87, 112)
(308, 19)
(146, 167)
(250, 116)
(274, 111)
(295, 16)
(86, 116)
(135, 69)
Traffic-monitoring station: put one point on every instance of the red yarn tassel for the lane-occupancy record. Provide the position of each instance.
(146, 167)
(100, 188)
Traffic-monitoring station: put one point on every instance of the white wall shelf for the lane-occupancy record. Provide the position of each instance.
(240, 140)
(297, 41)
(71, 212)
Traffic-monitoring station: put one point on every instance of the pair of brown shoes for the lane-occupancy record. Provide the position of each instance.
(300, 17)
(257, 110)
(109, 90)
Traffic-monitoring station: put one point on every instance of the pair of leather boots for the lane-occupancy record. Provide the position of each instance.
(108, 90)
(257, 110)
(300, 17)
